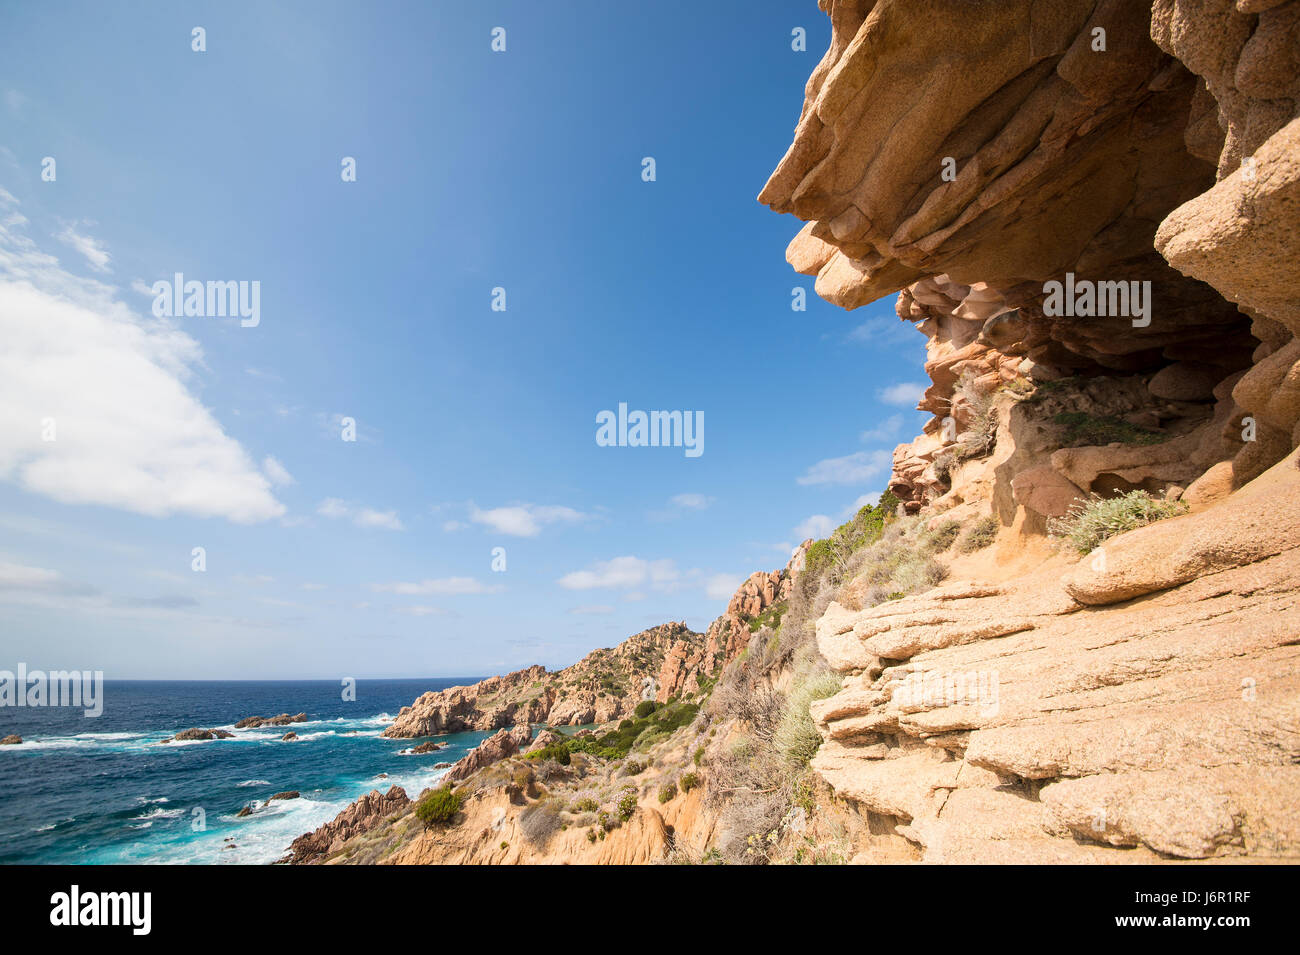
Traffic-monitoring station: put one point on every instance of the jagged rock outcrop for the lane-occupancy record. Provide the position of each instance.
(970, 176)
(284, 719)
(687, 665)
(13, 739)
(605, 685)
(495, 748)
(362, 816)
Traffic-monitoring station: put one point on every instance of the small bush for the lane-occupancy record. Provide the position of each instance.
(667, 792)
(539, 822)
(633, 768)
(981, 534)
(645, 708)
(943, 536)
(586, 804)
(559, 752)
(627, 805)
(1088, 524)
(796, 738)
(1088, 430)
(689, 782)
(438, 807)
(698, 758)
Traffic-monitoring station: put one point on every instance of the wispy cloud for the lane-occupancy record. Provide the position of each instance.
(442, 586)
(722, 586)
(623, 573)
(857, 468)
(91, 248)
(525, 520)
(817, 526)
(276, 472)
(336, 508)
(904, 395)
(591, 610)
(680, 505)
(885, 430)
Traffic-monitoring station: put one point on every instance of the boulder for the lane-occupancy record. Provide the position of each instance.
(13, 739)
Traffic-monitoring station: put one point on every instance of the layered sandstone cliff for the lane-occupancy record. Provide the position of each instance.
(1142, 703)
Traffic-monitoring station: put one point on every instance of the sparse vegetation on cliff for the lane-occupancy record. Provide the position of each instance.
(1089, 524)
(439, 807)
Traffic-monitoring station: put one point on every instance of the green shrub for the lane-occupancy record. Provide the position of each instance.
(796, 737)
(943, 536)
(667, 792)
(698, 758)
(689, 782)
(627, 805)
(1088, 524)
(560, 752)
(438, 807)
(644, 709)
(586, 804)
(980, 535)
(633, 768)
(1086, 430)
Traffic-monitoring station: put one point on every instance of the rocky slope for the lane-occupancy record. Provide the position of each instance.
(1142, 703)
(605, 685)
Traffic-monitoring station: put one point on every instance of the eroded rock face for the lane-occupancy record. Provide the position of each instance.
(970, 176)
(495, 748)
(605, 685)
(363, 815)
(687, 665)
(1051, 717)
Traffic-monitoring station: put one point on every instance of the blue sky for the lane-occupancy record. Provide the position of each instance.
(476, 428)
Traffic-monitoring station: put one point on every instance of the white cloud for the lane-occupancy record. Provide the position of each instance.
(443, 586)
(524, 520)
(722, 586)
(452, 526)
(140, 288)
(422, 611)
(128, 433)
(883, 331)
(856, 468)
(313, 586)
(681, 504)
(884, 431)
(865, 500)
(28, 579)
(817, 526)
(905, 394)
(276, 472)
(623, 573)
(335, 508)
(592, 609)
(91, 248)
(332, 507)
(369, 517)
(691, 502)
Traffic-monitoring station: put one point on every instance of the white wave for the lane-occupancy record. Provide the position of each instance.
(253, 782)
(160, 813)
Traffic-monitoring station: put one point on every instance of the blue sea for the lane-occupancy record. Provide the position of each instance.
(81, 790)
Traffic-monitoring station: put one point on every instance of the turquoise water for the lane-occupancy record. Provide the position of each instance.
(82, 790)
